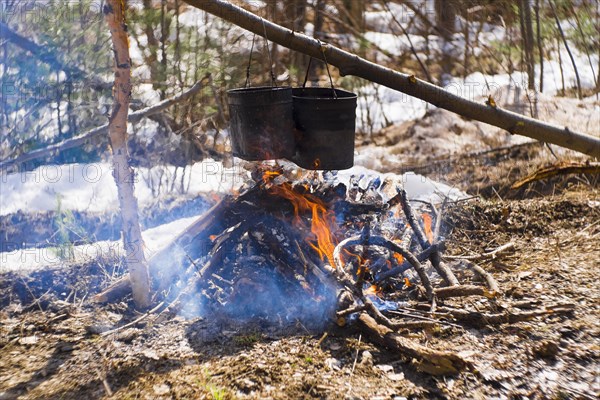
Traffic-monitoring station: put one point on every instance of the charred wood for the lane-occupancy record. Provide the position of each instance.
(432, 361)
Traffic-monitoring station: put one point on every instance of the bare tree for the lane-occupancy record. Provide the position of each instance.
(295, 19)
(114, 14)
(539, 43)
(566, 43)
(353, 12)
(527, 36)
(445, 11)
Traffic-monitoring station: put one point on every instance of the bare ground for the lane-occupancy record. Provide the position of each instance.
(50, 347)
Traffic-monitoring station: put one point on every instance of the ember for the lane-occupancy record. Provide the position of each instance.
(427, 225)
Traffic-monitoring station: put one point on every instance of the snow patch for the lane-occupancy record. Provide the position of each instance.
(91, 187)
(26, 260)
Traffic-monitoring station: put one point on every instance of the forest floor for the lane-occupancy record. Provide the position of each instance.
(50, 347)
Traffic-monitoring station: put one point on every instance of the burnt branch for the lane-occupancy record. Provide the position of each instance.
(383, 242)
(432, 361)
(423, 256)
(441, 268)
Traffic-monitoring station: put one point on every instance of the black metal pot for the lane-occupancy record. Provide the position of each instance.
(261, 123)
(325, 126)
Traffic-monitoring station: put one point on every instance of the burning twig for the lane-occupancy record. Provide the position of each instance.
(359, 295)
(365, 237)
(323, 277)
(439, 266)
(383, 242)
(438, 218)
(423, 256)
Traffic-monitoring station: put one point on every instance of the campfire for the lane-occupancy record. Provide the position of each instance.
(314, 251)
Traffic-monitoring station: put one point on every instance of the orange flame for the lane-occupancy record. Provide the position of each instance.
(427, 223)
(268, 175)
(373, 290)
(357, 256)
(322, 221)
(399, 258)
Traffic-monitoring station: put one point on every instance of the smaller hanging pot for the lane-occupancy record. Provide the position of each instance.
(325, 120)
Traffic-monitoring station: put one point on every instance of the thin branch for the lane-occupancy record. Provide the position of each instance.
(80, 140)
(135, 321)
(558, 169)
(486, 276)
(564, 39)
(383, 242)
(441, 268)
(490, 254)
(410, 43)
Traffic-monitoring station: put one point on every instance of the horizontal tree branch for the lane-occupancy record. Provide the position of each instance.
(351, 64)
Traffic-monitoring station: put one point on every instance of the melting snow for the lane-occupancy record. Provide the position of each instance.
(91, 187)
(25, 260)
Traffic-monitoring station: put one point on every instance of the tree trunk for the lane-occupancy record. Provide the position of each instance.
(165, 27)
(445, 14)
(568, 48)
(527, 34)
(353, 13)
(313, 74)
(351, 64)
(114, 14)
(151, 59)
(539, 43)
(295, 15)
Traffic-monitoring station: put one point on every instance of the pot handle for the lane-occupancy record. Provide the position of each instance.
(249, 63)
(326, 66)
(273, 80)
